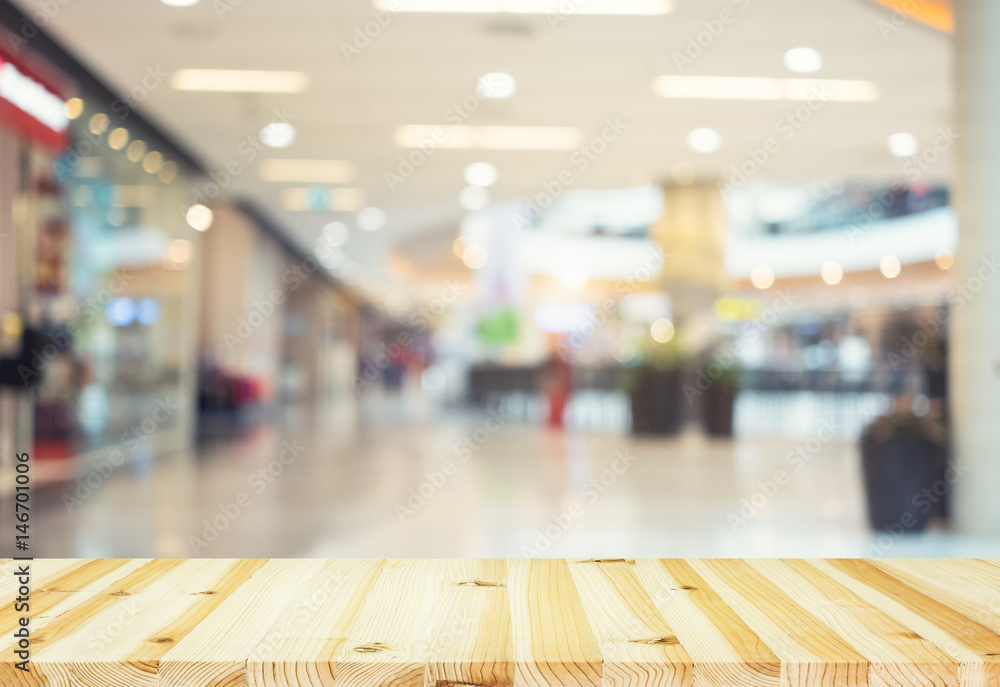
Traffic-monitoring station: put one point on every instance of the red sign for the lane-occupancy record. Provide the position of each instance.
(30, 103)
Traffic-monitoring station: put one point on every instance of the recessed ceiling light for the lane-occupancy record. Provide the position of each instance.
(239, 81)
(762, 276)
(474, 256)
(480, 174)
(74, 108)
(135, 151)
(336, 233)
(496, 85)
(278, 135)
(199, 217)
(620, 7)
(463, 137)
(763, 88)
(944, 259)
(308, 171)
(704, 140)
(890, 266)
(180, 3)
(662, 330)
(474, 198)
(831, 272)
(118, 138)
(371, 219)
(803, 60)
(574, 278)
(903, 144)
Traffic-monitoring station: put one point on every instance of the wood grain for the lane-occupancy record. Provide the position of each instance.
(506, 623)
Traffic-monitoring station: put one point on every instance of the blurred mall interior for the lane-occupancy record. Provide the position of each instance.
(501, 277)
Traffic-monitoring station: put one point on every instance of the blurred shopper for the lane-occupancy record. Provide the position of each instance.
(557, 385)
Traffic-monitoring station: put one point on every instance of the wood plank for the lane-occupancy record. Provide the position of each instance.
(955, 583)
(725, 651)
(811, 654)
(470, 640)
(301, 646)
(552, 640)
(899, 657)
(215, 652)
(122, 642)
(976, 647)
(388, 645)
(507, 623)
(638, 647)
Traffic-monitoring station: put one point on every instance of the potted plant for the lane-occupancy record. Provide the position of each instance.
(903, 460)
(655, 389)
(718, 402)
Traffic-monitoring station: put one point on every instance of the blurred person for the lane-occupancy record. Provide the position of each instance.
(557, 383)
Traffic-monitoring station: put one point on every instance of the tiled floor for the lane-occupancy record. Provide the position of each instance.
(508, 490)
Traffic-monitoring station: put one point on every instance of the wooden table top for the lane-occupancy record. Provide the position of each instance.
(449, 623)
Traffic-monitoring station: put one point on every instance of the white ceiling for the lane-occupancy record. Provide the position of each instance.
(587, 69)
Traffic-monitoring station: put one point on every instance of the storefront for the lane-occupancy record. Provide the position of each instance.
(99, 281)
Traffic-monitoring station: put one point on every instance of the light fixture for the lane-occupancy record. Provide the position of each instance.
(474, 256)
(607, 7)
(178, 251)
(480, 174)
(803, 60)
(496, 86)
(762, 276)
(152, 162)
(336, 233)
(831, 272)
(147, 311)
(371, 219)
(136, 151)
(168, 172)
(180, 3)
(944, 259)
(463, 137)
(278, 135)
(764, 88)
(239, 81)
(890, 267)
(118, 138)
(98, 123)
(903, 144)
(458, 246)
(662, 330)
(120, 311)
(574, 277)
(308, 171)
(199, 217)
(343, 199)
(474, 198)
(704, 140)
(74, 108)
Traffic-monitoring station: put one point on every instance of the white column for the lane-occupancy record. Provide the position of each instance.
(975, 327)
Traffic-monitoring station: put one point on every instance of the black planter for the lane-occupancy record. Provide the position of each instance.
(657, 402)
(897, 471)
(717, 410)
